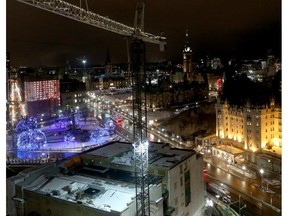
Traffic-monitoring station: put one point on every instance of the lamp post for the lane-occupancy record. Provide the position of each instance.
(239, 205)
(261, 172)
(244, 169)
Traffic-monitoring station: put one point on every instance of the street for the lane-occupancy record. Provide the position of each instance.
(249, 193)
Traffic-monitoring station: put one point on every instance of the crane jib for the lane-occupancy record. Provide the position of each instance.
(79, 14)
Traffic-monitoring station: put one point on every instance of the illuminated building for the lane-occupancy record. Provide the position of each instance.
(101, 182)
(42, 96)
(73, 99)
(248, 127)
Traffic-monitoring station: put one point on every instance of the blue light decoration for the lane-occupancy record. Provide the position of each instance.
(110, 126)
(95, 134)
(69, 138)
(28, 155)
(63, 123)
(31, 140)
(25, 124)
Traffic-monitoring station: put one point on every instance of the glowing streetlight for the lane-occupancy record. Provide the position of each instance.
(261, 172)
(244, 169)
(84, 62)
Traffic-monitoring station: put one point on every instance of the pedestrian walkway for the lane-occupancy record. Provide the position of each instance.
(224, 166)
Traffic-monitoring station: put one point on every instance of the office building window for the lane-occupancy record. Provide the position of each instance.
(187, 188)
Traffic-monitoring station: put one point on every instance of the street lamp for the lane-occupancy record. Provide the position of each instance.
(84, 62)
(261, 172)
(244, 169)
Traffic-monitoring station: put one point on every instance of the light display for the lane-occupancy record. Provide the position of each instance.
(42, 96)
(110, 126)
(95, 134)
(69, 138)
(31, 139)
(42, 89)
(61, 124)
(16, 105)
(25, 124)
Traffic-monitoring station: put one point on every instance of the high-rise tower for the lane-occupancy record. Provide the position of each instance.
(187, 59)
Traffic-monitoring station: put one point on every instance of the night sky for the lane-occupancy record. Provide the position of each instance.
(224, 28)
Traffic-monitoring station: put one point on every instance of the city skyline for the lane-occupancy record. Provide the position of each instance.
(36, 37)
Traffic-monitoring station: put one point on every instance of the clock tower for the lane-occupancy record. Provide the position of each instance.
(187, 60)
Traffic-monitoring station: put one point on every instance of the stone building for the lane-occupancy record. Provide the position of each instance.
(251, 128)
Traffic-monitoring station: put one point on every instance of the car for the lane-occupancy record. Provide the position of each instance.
(226, 199)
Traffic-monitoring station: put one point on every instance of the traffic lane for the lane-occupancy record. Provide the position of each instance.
(242, 186)
(252, 207)
(127, 135)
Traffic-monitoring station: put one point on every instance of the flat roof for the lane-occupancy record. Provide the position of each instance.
(159, 154)
(108, 195)
(111, 150)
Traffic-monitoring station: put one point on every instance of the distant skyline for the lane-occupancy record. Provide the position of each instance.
(222, 28)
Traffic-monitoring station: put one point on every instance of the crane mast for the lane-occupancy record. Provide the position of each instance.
(136, 38)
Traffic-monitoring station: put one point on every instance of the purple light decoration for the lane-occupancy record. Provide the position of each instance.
(110, 126)
(33, 139)
(95, 134)
(25, 124)
(63, 123)
(69, 138)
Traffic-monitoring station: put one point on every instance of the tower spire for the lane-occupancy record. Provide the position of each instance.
(186, 39)
(187, 60)
(187, 47)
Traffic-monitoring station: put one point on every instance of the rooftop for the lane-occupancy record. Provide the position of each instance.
(159, 154)
(108, 189)
(96, 193)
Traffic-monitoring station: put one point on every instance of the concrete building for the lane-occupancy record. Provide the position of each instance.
(101, 182)
(251, 128)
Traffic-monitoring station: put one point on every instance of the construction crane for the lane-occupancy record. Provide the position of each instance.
(137, 38)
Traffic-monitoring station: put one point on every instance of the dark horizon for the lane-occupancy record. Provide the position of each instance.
(242, 29)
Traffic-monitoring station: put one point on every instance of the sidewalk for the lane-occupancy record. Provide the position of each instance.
(224, 166)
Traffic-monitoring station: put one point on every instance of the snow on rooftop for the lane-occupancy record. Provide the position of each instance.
(160, 154)
(112, 150)
(124, 159)
(112, 195)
